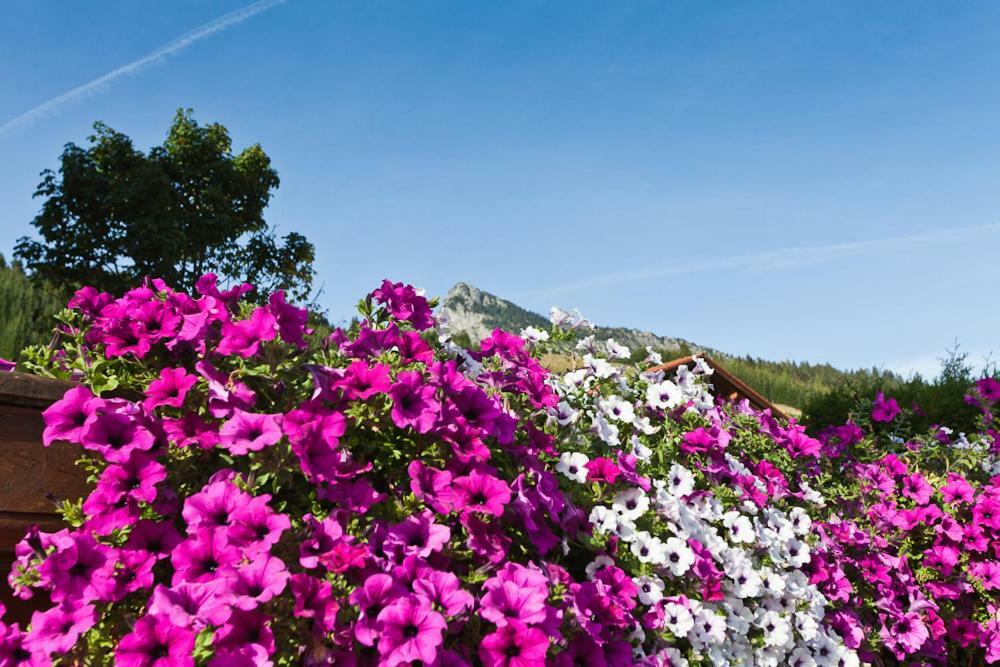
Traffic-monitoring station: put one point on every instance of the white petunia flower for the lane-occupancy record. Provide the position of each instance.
(644, 425)
(649, 549)
(678, 619)
(806, 625)
(746, 583)
(777, 630)
(680, 481)
(605, 430)
(603, 519)
(572, 465)
(674, 657)
(534, 335)
(564, 414)
(740, 528)
(650, 589)
(616, 350)
(678, 556)
(599, 367)
(641, 451)
(577, 379)
(801, 657)
(617, 408)
(630, 504)
(796, 553)
(664, 395)
(709, 628)
(653, 358)
(800, 520)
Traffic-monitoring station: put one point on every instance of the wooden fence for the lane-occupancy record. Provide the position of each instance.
(32, 477)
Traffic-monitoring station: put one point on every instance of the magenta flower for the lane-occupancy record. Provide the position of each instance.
(314, 599)
(702, 440)
(215, 506)
(56, 630)
(957, 490)
(204, 557)
(514, 645)
(116, 433)
(410, 631)
(136, 478)
(905, 634)
(413, 402)
(291, 320)
(170, 388)
(79, 570)
(989, 389)
(244, 338)
(158, 538)
(192, 605)
(7, 366)
(443, 592)
(224, 394)
(256, 526)
(480, 492)
(987, 572)
(155, 643)
(360, 382)
(602, 469)
(191, 431)
(405, 304)
(247, 634)
(371, 598)
(515, 593)
(917, 488)
(65, 419)
(884, 409)
(246, 432)
(259, 581)
(416, 536)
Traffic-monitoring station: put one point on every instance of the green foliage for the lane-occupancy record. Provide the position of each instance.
(926, 402)
(113, 215)
(26, 310)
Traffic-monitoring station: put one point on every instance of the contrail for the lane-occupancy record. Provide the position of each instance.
(153, 58)
(770, 260)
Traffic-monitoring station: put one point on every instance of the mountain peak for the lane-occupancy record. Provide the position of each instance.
(478, 313)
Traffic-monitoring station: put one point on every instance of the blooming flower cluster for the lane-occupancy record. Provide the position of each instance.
(688, 512)
(264, 493)
(915, 546)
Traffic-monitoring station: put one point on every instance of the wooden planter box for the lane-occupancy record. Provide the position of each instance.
(32, 477)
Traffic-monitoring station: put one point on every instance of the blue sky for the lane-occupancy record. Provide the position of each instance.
(804, 180)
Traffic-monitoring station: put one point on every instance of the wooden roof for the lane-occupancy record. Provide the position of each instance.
(726, 384)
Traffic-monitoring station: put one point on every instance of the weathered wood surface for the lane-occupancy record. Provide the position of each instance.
(32, 477)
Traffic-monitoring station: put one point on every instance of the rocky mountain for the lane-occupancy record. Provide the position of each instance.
(477, 313)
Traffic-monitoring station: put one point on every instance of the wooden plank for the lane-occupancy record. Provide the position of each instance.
(29, 390)
(32, 476)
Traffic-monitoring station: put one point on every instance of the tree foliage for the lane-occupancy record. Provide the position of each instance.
(113, 214)
(26, 310)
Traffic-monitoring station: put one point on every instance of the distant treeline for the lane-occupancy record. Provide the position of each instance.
(26, 310)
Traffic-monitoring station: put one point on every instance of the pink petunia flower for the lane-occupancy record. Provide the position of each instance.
(514, 645)
(155, 642)
(170, 388)
(481, 493)
(65, 419)
(246, 432)
(244, 338)
(413, 402)
(410, 631)
(884, 409)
